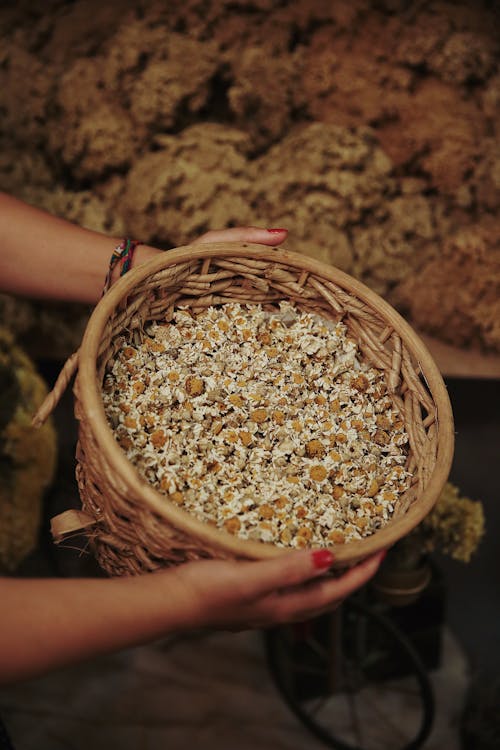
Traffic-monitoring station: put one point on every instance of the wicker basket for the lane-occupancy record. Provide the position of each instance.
(132, 527)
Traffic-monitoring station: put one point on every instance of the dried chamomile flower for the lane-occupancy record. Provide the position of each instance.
(267, 424)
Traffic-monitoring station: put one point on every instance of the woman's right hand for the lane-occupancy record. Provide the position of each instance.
(48, 623)
(236, 595)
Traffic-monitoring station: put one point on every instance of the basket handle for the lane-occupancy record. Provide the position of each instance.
(70, 522)
(52, 399)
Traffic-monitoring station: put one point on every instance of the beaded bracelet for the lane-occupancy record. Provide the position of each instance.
(123, 252)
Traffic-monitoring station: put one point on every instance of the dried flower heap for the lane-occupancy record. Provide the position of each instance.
(267, 424)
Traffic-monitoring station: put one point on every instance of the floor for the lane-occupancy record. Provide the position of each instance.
(215, 690)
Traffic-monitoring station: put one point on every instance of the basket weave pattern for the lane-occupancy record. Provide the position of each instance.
(137, 529)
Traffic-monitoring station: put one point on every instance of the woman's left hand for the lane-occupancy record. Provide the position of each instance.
(256, 235)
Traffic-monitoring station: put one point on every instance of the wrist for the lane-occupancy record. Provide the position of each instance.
(140, 254)
(144, 253)
(168, 602)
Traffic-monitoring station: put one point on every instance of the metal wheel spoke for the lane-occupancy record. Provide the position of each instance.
(356, 724)
(358, 711)
(320, 702)
(317, 648)
(404, 690)
(306, 669)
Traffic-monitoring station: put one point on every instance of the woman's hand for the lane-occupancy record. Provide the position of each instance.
(48, 623)
(290, 588)
(71, 262)
(256, 235)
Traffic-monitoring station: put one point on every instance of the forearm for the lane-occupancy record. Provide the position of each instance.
(48, 623)
(46, 257)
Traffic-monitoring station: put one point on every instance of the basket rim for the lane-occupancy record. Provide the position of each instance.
(92, 405)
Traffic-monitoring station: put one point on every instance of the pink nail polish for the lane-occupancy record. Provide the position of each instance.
(277, 231)
(322, 559)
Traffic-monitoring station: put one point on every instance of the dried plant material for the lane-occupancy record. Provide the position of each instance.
(369, 130)
(454, 526)
(27, 456)
(472, 259)
(241, 437)
(196, 180)
(247, 96)
(342, 175)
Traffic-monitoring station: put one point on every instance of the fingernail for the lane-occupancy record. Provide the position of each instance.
(322, 559)
(383, 554)
(277, 231)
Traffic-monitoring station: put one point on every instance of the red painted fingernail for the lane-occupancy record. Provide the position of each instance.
(322, 559)
(277, 231)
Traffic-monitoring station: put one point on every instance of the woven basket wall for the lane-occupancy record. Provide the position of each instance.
(132, 527)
